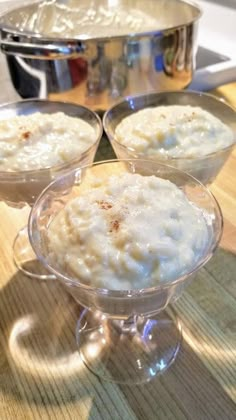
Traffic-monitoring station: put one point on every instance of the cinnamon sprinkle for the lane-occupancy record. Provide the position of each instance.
(104, 205)
(25, 135)
(115, 224)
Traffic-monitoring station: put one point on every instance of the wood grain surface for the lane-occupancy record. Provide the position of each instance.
(43, 377)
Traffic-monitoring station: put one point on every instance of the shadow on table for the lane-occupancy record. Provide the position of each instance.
(41, 367)
(40, 364)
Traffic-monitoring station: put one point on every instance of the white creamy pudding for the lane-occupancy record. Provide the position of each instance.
(37, 141)
(173, 131)
(130, 232)
(73, 19)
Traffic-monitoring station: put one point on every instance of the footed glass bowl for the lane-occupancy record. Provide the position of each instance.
(205, 168)
(127, 336)
(21, 188)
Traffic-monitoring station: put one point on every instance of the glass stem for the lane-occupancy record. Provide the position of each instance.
(127, 326)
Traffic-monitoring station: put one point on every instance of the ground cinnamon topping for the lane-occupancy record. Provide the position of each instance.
(114, 226)
(25, 135)
(104, 205)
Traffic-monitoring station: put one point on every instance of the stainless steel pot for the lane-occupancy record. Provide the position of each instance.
(100, 70)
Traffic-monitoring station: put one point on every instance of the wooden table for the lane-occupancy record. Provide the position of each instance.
(42, 376)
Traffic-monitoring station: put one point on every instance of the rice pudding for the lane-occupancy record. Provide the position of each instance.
(128, 232)
(173, 131)
(36, 141)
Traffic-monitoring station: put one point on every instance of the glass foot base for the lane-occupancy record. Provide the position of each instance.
(128, 352)
(25, 258)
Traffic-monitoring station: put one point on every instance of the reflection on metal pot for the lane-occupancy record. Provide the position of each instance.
(98, 71)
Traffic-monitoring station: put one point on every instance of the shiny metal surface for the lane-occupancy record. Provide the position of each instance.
(99, 71)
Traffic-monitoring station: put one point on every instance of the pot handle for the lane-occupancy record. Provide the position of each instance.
(49, 51)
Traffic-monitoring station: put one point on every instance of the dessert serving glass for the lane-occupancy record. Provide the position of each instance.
(204, 167)
(126, 336)
(21, 188)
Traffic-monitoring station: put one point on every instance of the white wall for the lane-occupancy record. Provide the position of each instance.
(218, 26)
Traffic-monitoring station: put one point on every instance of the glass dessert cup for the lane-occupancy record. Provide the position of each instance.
(205, 168)
(21, 188)
(125, 336)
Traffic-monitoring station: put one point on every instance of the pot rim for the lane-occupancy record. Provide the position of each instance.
(33, 38)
